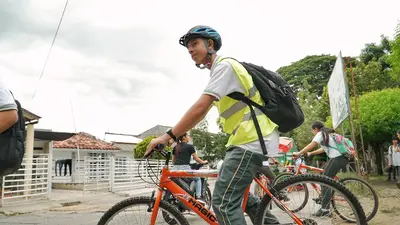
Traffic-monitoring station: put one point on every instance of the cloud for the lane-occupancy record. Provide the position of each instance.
(120, 64)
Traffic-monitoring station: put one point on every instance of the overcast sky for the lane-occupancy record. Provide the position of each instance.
(120, 64)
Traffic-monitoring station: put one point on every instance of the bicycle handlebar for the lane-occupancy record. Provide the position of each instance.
(159, 148)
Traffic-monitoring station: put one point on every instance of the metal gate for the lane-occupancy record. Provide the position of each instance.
(97, 173)
(31, 181)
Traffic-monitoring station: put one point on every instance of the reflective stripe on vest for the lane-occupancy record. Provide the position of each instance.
(238, 105)
(248, 117)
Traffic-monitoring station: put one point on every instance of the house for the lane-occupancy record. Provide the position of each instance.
(157, 131)
(126, 142)
(69, 156)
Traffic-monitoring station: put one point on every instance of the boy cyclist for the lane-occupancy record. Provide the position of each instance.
(244, 156)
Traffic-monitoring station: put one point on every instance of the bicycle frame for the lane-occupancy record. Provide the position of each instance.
(304, 166)
(167, 184)
(312, 168)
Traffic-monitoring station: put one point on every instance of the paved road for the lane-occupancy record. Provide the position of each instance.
(91, 208)
(57, 218)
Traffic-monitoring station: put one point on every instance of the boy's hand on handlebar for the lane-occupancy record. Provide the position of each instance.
(156, 141)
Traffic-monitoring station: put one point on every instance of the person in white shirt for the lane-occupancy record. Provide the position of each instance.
(394, 159)
(336, 161)
(8, 109)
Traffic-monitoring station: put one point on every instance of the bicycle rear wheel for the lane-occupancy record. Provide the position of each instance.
(365, 194)
(306, 214)
(134, 216)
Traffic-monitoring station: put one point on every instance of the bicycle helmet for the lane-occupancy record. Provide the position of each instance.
(201, 31)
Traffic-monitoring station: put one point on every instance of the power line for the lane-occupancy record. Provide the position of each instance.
(51, 47)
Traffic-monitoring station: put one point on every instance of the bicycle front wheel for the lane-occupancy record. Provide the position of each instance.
(284, 194)
(312, 213)
(138, 210)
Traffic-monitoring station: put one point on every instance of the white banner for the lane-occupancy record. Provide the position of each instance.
(338, 93)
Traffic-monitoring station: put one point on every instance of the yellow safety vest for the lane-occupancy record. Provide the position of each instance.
(235, 116)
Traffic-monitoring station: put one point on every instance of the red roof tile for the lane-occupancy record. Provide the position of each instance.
(85, 141)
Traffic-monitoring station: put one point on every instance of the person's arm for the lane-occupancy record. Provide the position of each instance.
(390, 157)
(198, 160)
(316, 152)
(192, 117)
(306, 149)
(7, 119)
(173, 159)
(220, 85)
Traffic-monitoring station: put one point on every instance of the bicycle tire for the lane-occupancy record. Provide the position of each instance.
(312, 178)
(209, 196)
(376, 199)
(281, 175)
(306, 193)
(115, 209)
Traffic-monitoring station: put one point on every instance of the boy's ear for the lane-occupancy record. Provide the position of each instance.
(210, 44)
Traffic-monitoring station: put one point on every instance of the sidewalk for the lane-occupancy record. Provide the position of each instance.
(74, 201)
(70, 200)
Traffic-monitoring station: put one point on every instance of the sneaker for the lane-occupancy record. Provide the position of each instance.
(322, 213)
(317, 200)
(201, 200)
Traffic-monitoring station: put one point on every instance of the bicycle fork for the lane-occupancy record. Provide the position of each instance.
(154, 205)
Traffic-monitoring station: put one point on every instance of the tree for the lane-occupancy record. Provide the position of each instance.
(323, 109)
(376, 52)
(315, 69)
(370, 77)
(394, 58)
(310, 106)
(211, 145)
(142, 146)
(379, 116)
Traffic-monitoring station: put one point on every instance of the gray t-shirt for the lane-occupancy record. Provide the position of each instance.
(224, 81)
(7, 101)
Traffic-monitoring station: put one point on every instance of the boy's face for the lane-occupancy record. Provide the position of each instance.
(197, 50)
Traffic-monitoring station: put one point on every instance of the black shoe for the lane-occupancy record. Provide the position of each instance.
(317, 200)
(283, 197)
(322, 213)
(279, 223)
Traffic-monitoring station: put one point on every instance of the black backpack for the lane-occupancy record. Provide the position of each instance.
(281, 105)
(12, 145)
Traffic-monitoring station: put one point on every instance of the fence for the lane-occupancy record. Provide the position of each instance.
(32, 180)
(68, 173)
(118, 174)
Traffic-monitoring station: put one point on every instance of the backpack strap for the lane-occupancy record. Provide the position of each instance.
(241, 97)
(257, 125)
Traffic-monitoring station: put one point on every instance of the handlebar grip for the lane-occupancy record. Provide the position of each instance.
(159, 147)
